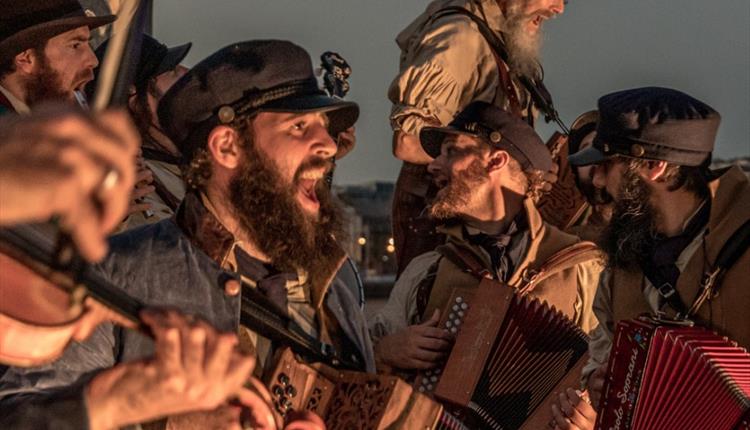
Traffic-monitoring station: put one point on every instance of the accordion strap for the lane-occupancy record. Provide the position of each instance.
(561, 260)
(729, 254)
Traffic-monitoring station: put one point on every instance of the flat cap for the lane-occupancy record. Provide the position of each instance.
(497, 128)
(652, 123)
(240, 80)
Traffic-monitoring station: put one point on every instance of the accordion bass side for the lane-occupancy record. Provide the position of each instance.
(667, 376)
(512, 353)
(348, 400)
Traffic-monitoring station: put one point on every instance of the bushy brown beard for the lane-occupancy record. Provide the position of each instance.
(456, 195)
(45, 84)
(523, 47)
(268, 211)
(630, 234)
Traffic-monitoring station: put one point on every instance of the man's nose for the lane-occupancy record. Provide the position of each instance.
(91, 61)
(323, 145)
(599, 176)
(558, 7)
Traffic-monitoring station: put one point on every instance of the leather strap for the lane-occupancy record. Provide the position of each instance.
(729, 254)
(561, 260)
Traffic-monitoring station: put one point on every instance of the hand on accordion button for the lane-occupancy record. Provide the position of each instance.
(572, 411)
(421, 346)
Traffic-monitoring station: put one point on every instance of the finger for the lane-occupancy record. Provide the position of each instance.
(144, 176)
(119, 122)
(240, 367)
(218, 356)
(433, 321)
(86, 231)
(167, 340)
(582, 404)
(561, 421)
(143, 191)
(134, 208)
(566, 406)
(194, 341)
(258, 413)
(428, 356)
(435, 333)
(432, 344)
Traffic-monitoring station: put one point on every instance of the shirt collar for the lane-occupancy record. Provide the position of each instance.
(17, 104)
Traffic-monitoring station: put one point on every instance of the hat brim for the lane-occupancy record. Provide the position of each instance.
(28, 37)
(432, 138)
(174, 57)
(341, 114)
(586, 157)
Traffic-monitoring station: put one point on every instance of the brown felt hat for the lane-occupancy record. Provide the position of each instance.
(24, 24)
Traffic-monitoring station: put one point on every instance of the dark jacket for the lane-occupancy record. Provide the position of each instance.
(159, 264)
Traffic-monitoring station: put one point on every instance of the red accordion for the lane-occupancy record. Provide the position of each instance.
(668, 376)
(511, 354)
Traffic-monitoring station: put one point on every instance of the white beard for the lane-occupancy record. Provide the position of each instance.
(523, 47)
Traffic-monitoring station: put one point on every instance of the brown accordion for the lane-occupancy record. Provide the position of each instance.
(512, 352)
(563, 205)
(668, 376)
(348, 400)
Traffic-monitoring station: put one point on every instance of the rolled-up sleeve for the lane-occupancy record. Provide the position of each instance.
(450, 66)
(601, 338)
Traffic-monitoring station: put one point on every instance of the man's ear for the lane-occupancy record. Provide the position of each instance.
(224, 146)
(498, 160)
(655, 170)
(26, 61)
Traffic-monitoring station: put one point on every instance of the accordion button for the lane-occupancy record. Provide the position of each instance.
(451, 316)
(454, 330)
(283, 379)
(464, 306)
(421, 389)
(459, 299)
(455, 307)
(433, 379)
(457, 322)
(278, 391)
(430, 387)
(460, 313)
(438, 370)
(448, 324)
(291, 391)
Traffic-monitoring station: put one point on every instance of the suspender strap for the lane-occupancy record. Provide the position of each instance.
(536, 88)
(729, 254)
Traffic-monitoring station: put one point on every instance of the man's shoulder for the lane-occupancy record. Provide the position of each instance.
(164, 232)
(418, 268)
(557, 244)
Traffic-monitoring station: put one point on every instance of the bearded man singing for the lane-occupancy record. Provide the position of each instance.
(255, 133)
(485, 163)
(44, 52)
(457, 52)
(672, 217)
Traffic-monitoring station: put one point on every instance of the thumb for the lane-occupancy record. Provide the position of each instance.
(434, 319)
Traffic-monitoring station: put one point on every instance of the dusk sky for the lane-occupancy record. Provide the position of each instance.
(700, 47)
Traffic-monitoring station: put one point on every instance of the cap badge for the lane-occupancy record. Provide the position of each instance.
(637, 150)
(496, 137)
(89, 13)
(226, 114)
(471, 126)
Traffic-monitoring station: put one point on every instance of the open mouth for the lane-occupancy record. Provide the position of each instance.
(306, 185)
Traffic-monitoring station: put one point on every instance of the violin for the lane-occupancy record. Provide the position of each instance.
(49, 296)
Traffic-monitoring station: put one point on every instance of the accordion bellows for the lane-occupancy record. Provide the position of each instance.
(670, 377)
(511, 353)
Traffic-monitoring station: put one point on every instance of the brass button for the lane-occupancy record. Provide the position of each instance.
(226, 114)
(495, 137)
(232, 288)
(637, 150)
